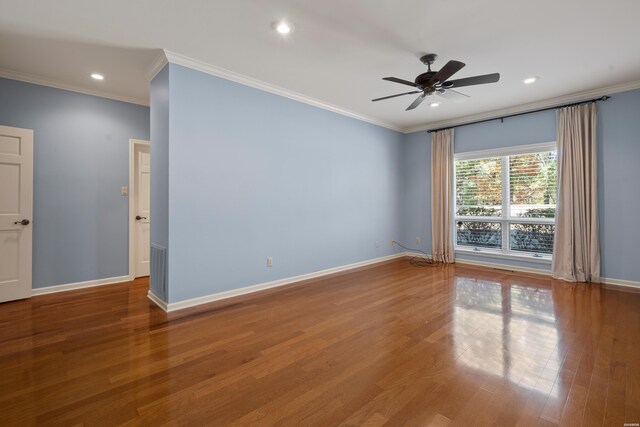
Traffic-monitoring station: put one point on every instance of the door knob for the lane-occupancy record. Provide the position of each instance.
(23, 222)
(138, 217)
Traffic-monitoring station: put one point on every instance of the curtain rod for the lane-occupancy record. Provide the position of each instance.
(602, 98)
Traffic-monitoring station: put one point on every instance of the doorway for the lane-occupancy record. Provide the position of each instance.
(139, 208)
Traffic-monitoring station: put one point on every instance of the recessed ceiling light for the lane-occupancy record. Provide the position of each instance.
(434, 104)
(97, 76)
(529, 80)
(283, 27)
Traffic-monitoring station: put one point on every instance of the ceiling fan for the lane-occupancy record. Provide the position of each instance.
(438, 83)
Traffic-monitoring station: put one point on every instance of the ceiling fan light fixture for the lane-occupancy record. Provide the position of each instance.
(530, 80)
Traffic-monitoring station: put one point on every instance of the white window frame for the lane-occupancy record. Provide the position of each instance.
(505, 220)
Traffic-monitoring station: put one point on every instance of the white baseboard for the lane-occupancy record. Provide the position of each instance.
(620, 282)
(267, 285)
(157, 300)
(415, 253)
(79, 285)
(604, 280)
(289, 280)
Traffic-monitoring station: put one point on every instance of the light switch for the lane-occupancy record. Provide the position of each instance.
(124, 191)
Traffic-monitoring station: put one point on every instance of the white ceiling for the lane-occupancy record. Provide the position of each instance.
(339, 50)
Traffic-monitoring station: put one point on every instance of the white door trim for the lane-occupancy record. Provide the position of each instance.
(132, 208)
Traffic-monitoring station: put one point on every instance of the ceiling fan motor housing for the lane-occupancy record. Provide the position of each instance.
(424, 78)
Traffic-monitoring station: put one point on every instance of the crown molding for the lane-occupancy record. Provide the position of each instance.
(158, 64)
(526, 108)
(37, 80)
(194, 64)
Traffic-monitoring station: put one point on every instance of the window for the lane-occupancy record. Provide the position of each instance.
(505, 200)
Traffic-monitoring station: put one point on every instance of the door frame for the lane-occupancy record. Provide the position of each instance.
(132, 193)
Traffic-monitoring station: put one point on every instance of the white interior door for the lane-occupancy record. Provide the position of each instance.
(16, 195)
(143, 211)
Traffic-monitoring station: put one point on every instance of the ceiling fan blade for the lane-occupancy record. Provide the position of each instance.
(397, 80)
(417, 102)
(453, 95)
(393, 96)
(445, 72)
(471, 81)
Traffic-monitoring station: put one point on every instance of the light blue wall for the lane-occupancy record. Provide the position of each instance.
(255, 175)
(619, 185)
(618, 176)
(416, 178)
(159, 94)
(528, 129)
(81, 159)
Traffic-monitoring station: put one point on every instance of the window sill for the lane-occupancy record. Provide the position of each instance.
(512, 256)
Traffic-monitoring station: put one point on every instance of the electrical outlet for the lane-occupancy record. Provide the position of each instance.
(418, 240)
(377, 244)
(124, 191)
(269, 262)
(392, 242)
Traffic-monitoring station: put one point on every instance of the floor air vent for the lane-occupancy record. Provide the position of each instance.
(157, 280)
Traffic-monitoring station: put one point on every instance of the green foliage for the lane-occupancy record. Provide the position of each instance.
(532, 238)
(532, 178)
(478, 182)
(540, 213)
(478, 211)
(532, 181)
(536, 238)
(476, 233)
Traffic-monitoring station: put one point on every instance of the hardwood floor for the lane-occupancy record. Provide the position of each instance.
(390, 345)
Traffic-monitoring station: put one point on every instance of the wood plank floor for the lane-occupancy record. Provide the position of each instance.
(393, 345)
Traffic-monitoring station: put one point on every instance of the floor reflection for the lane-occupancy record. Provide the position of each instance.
(507, 331)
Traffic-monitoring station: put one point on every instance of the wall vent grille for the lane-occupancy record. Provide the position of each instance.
(157, 280)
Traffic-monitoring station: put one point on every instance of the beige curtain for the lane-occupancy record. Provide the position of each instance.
(576, 247)
(442, 196)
